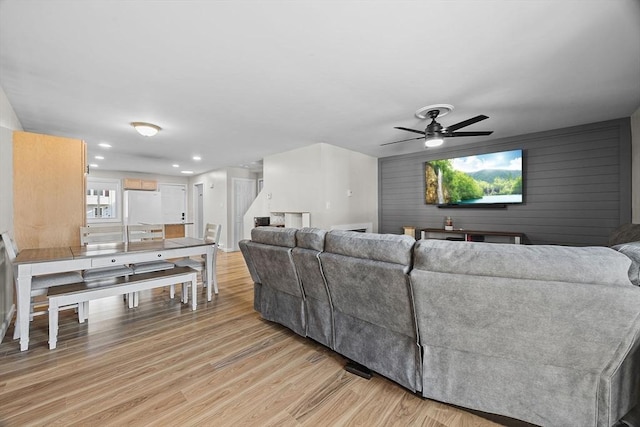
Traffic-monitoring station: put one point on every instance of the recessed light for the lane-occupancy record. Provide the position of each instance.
(197, 158)
(186, 172)
(99, 157)
(93, 165)
(104, 145)
(176, 165)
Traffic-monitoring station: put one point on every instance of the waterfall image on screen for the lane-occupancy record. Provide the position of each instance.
(483, 179)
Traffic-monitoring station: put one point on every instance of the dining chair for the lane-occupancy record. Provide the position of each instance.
(39, 284)
(96, 234)
(104, 234)
(212, 235)
(141, 233)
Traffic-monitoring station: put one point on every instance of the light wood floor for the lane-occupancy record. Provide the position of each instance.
(162, 364)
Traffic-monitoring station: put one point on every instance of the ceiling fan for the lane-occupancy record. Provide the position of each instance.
(435, 133)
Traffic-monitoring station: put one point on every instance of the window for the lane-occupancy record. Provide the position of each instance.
(103, 196)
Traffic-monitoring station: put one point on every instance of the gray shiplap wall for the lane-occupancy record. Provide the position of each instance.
(577, 186)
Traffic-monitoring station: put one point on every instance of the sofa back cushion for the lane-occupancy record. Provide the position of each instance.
(367, 277)
(276, 236)
(310, 243)
(597, 265)
(390, 248)
(311, 238)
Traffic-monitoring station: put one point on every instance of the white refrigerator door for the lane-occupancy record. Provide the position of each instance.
(142, 207)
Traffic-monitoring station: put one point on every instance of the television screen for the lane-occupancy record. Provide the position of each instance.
(480, 180)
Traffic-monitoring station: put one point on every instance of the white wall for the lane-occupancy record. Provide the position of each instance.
(8, 123)
(635, 167)
(316, 179)
(214, 200)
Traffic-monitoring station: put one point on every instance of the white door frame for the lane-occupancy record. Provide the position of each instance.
(235, 239)
(198, 209)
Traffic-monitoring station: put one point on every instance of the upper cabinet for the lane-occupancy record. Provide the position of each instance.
(139, 184)
(49, 186)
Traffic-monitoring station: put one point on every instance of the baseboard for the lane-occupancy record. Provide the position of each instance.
(7, 321)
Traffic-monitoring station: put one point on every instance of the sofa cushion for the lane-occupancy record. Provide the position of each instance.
(594, 265)
(392, 248)
(311, 238)
(276, 236)
(632, 250)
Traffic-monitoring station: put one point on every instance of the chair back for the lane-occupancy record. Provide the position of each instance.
(9, 247)
(212, 233)
(140, 232)
(102, 234)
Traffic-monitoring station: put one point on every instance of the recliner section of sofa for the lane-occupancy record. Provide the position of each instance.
(280, 294)
(318, 307)
(545, 334)
(367, 277)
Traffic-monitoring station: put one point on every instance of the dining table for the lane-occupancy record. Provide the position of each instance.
(40, 261)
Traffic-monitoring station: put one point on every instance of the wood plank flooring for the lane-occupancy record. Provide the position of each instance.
(222, 365)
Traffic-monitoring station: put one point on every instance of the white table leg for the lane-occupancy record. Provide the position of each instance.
(194, 293)
(185, 293)
(23, 296)
(53, 323)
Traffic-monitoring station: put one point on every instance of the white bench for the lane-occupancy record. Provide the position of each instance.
(82, 292)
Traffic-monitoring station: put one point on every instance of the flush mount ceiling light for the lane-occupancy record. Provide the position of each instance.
(146, 129)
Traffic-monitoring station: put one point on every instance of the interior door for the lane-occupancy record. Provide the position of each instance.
(244, 192)
(173, 203)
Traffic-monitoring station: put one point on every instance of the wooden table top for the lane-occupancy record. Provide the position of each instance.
(101, 249)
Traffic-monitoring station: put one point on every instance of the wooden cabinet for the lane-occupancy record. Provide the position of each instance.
(139, 184)
(49, 186)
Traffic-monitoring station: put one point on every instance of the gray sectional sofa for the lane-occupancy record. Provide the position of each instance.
(545, 334)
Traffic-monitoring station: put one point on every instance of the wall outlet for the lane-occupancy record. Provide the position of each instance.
(349, 193)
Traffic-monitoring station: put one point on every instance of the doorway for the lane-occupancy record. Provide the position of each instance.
(244, 193)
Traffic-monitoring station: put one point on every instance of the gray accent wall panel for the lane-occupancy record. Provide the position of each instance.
(577, 186)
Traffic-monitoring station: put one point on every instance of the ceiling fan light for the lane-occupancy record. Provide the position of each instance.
(146, 129)
(433, 142)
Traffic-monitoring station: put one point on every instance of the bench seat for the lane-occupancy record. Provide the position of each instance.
(81, 292)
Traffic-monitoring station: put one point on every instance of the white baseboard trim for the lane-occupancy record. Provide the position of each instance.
(6, 321)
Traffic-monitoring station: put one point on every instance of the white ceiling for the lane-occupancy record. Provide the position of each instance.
(234, 81)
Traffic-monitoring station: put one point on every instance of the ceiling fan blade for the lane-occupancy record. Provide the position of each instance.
(478, 133)
(468, 122)
(404, 140)
(410, 130)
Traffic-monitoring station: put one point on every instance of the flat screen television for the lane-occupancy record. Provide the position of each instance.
(482, 180)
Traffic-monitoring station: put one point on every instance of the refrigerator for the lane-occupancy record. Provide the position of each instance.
(142, 207)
